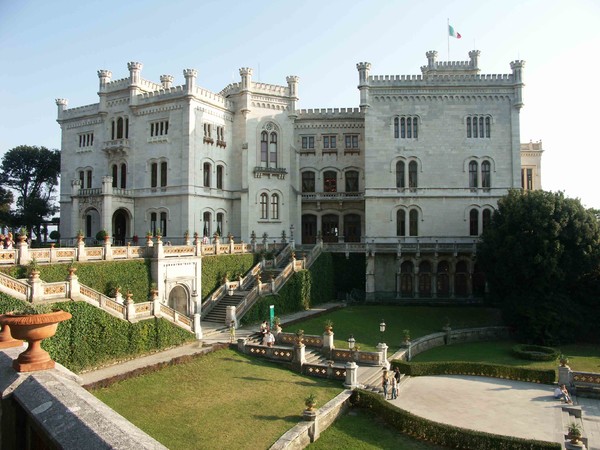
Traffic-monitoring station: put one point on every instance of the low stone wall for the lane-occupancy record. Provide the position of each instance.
(50, 407)
(308, 431)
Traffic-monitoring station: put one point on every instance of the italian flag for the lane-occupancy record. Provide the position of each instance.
(453, 33)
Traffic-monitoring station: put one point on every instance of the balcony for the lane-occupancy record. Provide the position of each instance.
(332, 196)
(117, 147)
(277, 172)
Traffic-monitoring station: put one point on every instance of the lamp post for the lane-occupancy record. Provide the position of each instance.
(351, 342)
(382, 329)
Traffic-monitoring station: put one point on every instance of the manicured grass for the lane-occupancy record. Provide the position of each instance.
(224, 400)
(582, 357)
(362, 430)
(363, 322)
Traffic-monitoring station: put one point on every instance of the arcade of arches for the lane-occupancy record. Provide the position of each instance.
(333, 228)
(421, 277)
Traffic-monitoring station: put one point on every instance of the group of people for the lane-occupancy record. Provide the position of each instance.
(267, 337)
(390, 380)
(6, 241)
(561, 392)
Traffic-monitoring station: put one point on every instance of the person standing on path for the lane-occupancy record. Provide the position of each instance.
(232, 332)
(385, 382)
(394, 387)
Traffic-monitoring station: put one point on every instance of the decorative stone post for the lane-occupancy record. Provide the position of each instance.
(382, 348)
(351, 375)
(299, 356)
(129, 307)
(328, 343)
(119, 296)
(265, 241)
(564, 375)
(230, 242)
(73, 282)
(253, 241)
(197, 326)
(23, 251)
(159, 251)
(217, 243)
(107, 248)
(37, 290)
(230, 315)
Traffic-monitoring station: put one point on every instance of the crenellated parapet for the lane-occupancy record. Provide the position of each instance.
(166, 81)
(451, 67)
(330, 113)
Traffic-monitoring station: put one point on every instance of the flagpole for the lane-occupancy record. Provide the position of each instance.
(448, 36)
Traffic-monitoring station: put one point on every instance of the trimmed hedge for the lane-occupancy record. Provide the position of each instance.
(103, 276)
(322, 280)
(349, 271)
(535, 352)
(475, 368)
(92, 337)
(439, 433)
(214, 269)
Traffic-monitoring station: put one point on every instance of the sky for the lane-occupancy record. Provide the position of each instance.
(53, 49)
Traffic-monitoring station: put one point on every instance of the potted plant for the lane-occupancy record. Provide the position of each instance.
(33, 269)
(33, 323)
(574, 430)
(406, 334)
(310, 401)
(328, 326)
(299, 337)
(563, 360)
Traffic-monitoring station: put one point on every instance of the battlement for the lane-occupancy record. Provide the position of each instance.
(395, 80)
(117, 85)
(178, 91)
(80, 111)
(330, 113)
(532, 146)
(271, 89)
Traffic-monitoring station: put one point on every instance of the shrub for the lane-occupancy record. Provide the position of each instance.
(442, 434)
(475, 368)
(535, 352)
(54, 235)
(215, 267)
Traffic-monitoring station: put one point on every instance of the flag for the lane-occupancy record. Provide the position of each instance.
(453, 33)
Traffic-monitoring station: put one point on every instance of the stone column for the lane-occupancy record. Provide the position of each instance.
(328, 345)
(565, 375)
(299, 357)
(37, 290)
(197, 326)
(351, 375)
(382, 348)
(73, 282)
(129, 307)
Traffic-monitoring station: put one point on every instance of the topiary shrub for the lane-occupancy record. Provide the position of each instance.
(535, 352)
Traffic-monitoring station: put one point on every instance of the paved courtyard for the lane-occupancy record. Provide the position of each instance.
(493, 405)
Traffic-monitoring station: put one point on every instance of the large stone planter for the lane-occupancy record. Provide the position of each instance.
(33, 328)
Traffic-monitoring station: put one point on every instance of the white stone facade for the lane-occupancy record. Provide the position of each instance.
(422, 159)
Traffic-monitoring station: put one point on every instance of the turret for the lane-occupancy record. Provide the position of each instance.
(292, 82)
(167, 81)
(62, 105)
(363, 83)
(104, 77)
(135, 69)
(431, 59)
(190, 80)
(474, 56)
(517, 69)
(246, 74)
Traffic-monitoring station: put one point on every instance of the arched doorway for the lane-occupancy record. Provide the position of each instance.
(443, 279)
(460, 279)
(352, 228)
(178, 299)
(120, 220)
(406, 279)
(330, 226)
(309, 229)
(478, 281)
(425, 279)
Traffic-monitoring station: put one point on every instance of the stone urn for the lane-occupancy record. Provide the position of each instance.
(6, 339)
(33, 328)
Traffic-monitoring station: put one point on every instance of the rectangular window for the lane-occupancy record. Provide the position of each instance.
(352, 181)
(89, 179)
(163, 223)
(163, 174)
(308, 142)
(154, 175)
(86, 140)
(329, 142)
(160, 128)
(351, 141)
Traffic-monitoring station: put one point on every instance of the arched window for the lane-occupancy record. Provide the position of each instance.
(115, 175)
(153, 225)
(123, 176)
(273, 150)
(443, 279)
(469, 130)
(163, 223)
(460, 279)
(425, 278)
(220, 220)
(486, 178)
(473, 174)
(219, 177)
(413, 225)
(330, 181)
(308, 181)
(486, 219)
(400, 181)
(351, 181)
(206, 174)
(163, 174)
(396, 127)
(400, 222)
(274, 207)
(412, 175)
(206, 218)
(406, 278)
(474, 222)
(264, 206)
(264, 149)
(415, 128)
(120, 128)
(488, 127)
(154, 175)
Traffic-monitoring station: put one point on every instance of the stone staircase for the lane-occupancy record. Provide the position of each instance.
(218, 313)
(370, 379)
(573, 414)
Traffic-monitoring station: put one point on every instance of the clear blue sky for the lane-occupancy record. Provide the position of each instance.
(52, 49)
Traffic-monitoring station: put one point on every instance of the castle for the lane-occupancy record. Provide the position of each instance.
(412, 175)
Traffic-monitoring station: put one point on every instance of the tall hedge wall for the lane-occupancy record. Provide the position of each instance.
(93, 338)
(349, 272)
(322, 280)
(103, 276)
(215, 267)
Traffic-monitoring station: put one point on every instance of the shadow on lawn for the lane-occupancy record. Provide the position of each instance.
(291, 419)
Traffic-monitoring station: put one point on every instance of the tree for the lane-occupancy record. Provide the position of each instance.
(32, 172)
(541, 257)
(6, 199)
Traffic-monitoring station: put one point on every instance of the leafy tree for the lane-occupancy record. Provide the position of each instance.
(32, 172)
(541, 256)
(6, 199)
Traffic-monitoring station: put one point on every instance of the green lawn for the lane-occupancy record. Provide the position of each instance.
(362, 430)
(224, 400)
(363, 322)
(583, 357)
